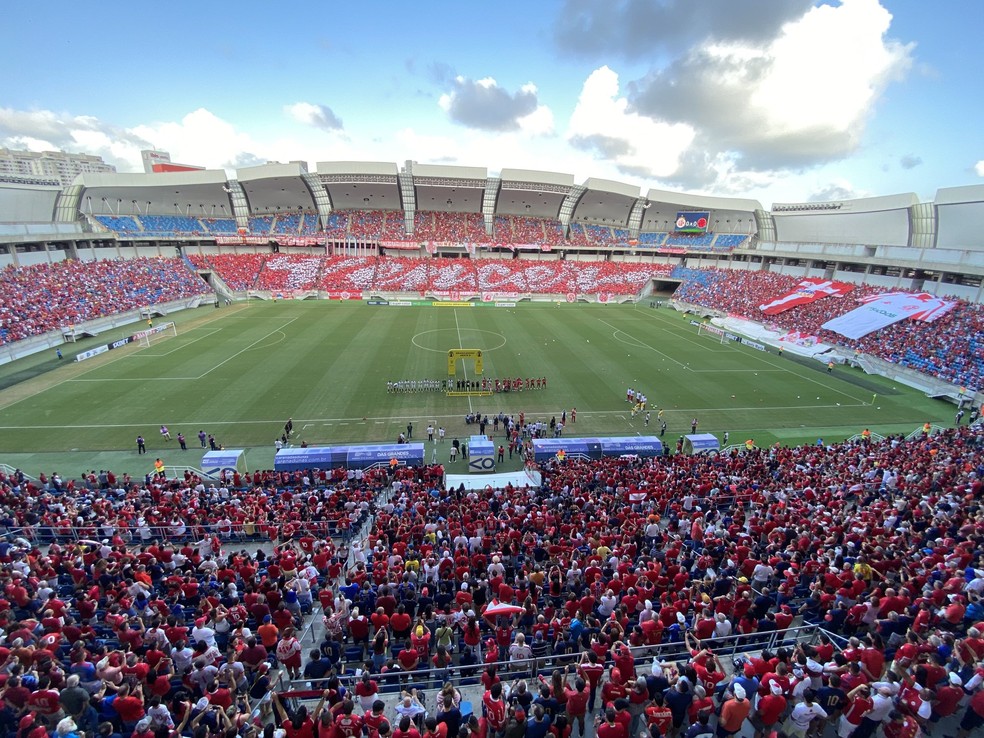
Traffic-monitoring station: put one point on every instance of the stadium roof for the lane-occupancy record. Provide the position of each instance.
(167, 193)
(275, 188)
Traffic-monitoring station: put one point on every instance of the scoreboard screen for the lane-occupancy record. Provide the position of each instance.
(691, 222)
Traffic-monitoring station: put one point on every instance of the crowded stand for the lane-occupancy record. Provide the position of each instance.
(600, 235)
(577, 235)
(238, 271)
(130, 607)
(620, 236)
(619, 278)
(450, 227)
(525, 229)
(289, 271)
(309, 224)
(451, 274)
(401, 275)
(347, 273)
(945, 348)
(501, 275)
(338, 224)
(443, 227)
(46, 297)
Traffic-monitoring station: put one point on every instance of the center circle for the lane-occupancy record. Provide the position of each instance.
(459, 340)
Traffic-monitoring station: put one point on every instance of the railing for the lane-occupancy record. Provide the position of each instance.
(390, 682)
(11, 472)
(234, 533)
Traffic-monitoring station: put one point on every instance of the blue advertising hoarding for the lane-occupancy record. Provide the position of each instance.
(353, 457)
(481, 455)
(596, 448)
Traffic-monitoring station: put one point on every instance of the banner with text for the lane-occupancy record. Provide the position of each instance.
(884, 309)
(931, 307)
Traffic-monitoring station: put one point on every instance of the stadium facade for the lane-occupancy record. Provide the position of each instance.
(893, 242)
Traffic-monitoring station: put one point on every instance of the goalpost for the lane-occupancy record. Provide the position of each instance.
(712, 331)
(153, 335)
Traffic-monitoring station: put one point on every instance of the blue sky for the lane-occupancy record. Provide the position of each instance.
(779, 100)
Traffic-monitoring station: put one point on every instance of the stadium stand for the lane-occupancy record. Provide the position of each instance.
(933, 348)
(171, 224)
(450, 227)
(45, 297)
(219, 225)
(347, 273)
(120, 224)
(578, 235)
(401, 275)
(289, 271)
(523, 229)
(698, 241)
(600, 235)
(310, 225)
(652, 239)
(260, 225)
(288, 223)
(452, 274)
(501, 275)
(729, 240)
(606, 565)
(338, 226)
(366, 224)
(238, 271)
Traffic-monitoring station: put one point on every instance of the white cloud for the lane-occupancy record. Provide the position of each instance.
(828, 69)
(538, 123)
(796, 100)
(601, 123)
(314, 114)
(203, 139)
(485, 105)
(979, 168)
(46, 130)
(838, 189)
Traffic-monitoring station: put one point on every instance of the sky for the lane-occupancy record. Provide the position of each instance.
(776, 100)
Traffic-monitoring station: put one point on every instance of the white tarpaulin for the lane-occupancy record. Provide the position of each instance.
(930, 306)
(518, 479)
(883, 310)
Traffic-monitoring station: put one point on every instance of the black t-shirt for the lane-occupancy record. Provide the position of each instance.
(317, 669)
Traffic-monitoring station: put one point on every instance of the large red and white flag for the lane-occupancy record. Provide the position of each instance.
(808, 290)
(932, 307)
(886, 308)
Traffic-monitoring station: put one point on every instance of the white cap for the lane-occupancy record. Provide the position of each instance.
(739, 691)
(775, 688)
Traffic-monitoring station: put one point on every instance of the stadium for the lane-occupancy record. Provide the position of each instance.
(655, 441)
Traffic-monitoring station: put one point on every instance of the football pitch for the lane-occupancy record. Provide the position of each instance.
(238, 373)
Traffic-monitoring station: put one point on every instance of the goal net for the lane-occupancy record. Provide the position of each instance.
(711, 331)
(155, 334)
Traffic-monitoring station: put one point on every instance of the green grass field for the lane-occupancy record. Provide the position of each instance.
(239, 372)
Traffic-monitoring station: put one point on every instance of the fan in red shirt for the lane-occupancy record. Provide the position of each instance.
(494, 708)
(900, 726)
(610, 727)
